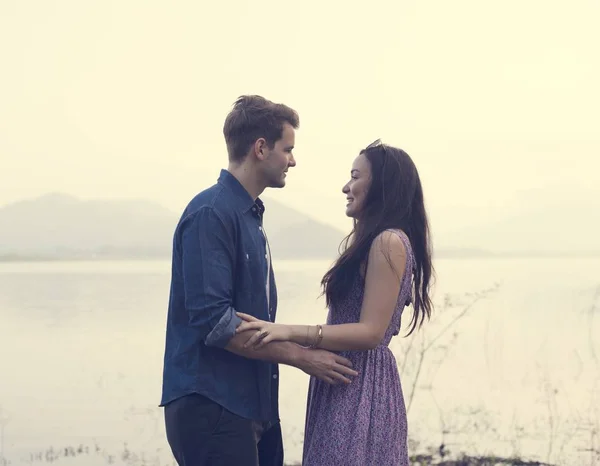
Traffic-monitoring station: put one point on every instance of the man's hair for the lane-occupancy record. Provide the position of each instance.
(253, 117)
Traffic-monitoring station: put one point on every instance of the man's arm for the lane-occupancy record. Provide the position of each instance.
(208, 252)
(324, 365)
(281, 352)
(208, 257)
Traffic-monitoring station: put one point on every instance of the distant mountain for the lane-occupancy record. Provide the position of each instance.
(537, 227)
(61, 225)
(58, 226)
(294, 235)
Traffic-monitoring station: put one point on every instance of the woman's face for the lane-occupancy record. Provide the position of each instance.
(357, 188)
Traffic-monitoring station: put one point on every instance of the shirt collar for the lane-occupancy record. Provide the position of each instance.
(243, 199)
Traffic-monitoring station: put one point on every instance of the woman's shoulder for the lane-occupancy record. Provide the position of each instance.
(389, 233)
(391, 242)
(395, 240)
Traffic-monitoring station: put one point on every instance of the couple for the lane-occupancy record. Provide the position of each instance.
(223, 347)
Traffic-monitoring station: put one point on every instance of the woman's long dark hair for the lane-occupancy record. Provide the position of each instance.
(394, 201)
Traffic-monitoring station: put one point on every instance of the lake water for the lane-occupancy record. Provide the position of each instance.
(511, 370)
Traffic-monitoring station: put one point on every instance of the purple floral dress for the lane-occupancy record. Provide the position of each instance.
(363, 423)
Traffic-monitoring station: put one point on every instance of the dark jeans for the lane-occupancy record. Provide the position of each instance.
(203, 433)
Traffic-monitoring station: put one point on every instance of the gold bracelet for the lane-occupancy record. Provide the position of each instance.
(319, 337)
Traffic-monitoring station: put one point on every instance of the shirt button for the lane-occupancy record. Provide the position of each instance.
(274, 376)
(260, 228)
(266, 256)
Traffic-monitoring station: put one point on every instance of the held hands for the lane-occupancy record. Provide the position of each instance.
(324, 365)
(265, 331)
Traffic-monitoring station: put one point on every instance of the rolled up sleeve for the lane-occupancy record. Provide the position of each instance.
(208, 257)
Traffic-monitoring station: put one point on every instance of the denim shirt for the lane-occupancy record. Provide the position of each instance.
(221, 265)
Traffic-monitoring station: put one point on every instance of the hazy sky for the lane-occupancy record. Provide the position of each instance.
(492, 100)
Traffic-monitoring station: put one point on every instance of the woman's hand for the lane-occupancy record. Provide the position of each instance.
(265, 331)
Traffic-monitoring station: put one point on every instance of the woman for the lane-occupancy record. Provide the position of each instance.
(385, 265)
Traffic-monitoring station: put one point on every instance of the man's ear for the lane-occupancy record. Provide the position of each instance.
(260, 149)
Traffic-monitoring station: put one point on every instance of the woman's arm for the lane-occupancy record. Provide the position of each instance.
(385, 269)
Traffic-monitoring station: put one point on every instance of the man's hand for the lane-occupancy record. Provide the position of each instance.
(327, 366)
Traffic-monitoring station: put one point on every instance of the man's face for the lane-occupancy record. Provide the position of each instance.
(279, 159)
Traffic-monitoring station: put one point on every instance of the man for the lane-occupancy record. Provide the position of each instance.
(221, 399)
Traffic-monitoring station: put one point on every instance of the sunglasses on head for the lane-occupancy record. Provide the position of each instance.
(377, 144)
